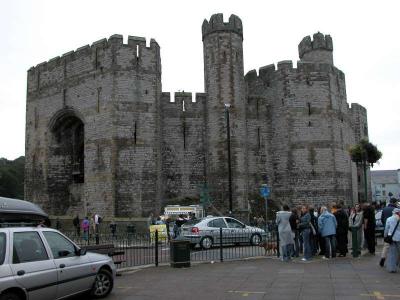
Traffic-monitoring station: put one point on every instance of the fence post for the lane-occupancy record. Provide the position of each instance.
(221, 253)
(156, 247)
(278, 252)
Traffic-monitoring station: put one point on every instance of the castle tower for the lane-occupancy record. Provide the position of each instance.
(225, 89)
(317, 51)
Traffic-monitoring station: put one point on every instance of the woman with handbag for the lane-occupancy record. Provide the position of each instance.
(392, 237)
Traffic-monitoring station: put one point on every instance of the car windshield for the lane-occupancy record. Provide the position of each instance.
(192, 222)
(2, 247)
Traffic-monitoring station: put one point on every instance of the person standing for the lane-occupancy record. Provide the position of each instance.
(113, 228)
(369, 227)
(386, 213)
(342, 230)
(294, 223)
(392, 230)
(304, 227)
(85, 228)
(327, 227)
(76, 222)
(355, 224)
(314, 231)
(286, 241)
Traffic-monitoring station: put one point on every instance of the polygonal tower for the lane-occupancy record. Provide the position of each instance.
(225, 112)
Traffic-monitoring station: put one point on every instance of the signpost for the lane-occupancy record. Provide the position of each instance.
(265, 191)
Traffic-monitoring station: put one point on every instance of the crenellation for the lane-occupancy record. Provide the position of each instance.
(267, 71)
(216, 24)
(285, 65)
(102, 43)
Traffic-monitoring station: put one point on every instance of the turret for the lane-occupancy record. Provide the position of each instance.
(225, 89)
(318, 50)
(216, 24)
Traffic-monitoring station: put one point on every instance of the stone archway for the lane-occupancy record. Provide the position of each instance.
(66, 161)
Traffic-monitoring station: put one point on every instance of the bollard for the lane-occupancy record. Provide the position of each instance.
(156, 247)
(221, 253)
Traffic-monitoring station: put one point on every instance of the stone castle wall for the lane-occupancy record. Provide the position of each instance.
(101, 136)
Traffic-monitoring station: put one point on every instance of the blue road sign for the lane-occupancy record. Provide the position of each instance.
(265, 191)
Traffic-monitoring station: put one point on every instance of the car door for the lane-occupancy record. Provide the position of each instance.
(32, 267)
(214, 230)
(75, 273)
(237, 231)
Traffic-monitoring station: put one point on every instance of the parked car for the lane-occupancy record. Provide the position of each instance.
(379, 229)
(42, 263)
(206, 232)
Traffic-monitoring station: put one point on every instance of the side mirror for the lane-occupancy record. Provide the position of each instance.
(63, 253)
(81, 251)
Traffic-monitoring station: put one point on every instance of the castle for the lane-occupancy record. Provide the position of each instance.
(101, 136)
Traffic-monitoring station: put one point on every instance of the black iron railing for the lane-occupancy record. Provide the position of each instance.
(221, 244)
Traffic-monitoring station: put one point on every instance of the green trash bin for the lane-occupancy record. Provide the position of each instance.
(180, 254)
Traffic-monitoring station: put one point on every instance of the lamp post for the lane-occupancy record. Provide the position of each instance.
(228, 141)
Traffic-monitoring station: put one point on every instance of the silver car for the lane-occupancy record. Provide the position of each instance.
(207, 232)
(42, 263)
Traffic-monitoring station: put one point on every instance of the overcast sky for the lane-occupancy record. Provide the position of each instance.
(365, 34)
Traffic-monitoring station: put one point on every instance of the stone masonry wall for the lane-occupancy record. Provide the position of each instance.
(183, 146)
(102, 137)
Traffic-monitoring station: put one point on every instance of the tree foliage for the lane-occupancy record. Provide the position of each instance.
(12, 177)
(365, 152)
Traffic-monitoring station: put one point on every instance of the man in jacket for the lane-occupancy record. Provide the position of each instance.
(386, 213)
(342, 230)
(393, 229)
(327, 227)
(369, 226)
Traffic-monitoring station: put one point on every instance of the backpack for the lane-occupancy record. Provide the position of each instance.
(100, 219)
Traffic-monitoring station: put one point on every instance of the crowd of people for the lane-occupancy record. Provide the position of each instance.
(325, 232)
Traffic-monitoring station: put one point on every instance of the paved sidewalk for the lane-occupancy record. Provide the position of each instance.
(341, 278)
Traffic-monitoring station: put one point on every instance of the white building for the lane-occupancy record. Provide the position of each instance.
(385, 184)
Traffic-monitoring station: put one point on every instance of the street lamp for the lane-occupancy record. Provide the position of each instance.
(228, 142)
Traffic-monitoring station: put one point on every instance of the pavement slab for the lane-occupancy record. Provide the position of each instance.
(263, 278)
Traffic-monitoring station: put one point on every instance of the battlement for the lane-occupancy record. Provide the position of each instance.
(319, 41)
(217, 24)
(116, 40)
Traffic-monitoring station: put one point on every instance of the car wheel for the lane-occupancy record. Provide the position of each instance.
(10, 296)
(103, 284)
(206, 242)
(255, 239)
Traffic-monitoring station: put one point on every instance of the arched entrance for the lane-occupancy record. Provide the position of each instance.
(66, 161)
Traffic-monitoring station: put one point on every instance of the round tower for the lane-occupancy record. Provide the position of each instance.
(226, 107)
(318, 50)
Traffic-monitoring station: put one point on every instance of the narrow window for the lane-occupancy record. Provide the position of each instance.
(184, 135)
(309, 124)
(65, 68)
(183, 106)
(224, 57)
(36, 118)
(137, 51)
(98, 153)
(309, 108)
(98, 99)
(258, 138)
(134, 133)
(96, 59)
(257, 108)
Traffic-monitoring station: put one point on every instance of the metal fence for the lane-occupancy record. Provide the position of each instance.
(154, 249)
